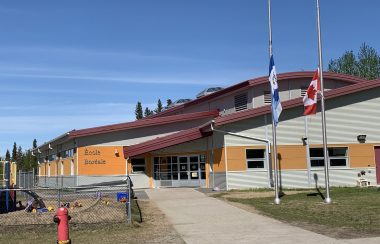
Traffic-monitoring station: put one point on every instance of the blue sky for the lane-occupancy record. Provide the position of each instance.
(77, 64)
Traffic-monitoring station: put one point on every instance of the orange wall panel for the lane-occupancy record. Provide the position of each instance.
(101, 160)
(292, 157)
(42, 169)
(361, 155)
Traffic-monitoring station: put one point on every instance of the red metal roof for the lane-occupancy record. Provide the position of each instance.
(359, 86)
(143, 123)
(165, 141)
(256, 82)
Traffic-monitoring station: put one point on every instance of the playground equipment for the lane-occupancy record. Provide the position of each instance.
(7, 182)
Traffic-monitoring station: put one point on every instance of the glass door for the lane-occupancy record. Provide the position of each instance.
(183, 169)
(194, 170)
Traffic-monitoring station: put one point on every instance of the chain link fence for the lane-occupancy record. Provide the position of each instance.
(95, 203)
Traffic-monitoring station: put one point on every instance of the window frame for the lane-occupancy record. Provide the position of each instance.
(138, 171)
(256, 159)
(346, 157)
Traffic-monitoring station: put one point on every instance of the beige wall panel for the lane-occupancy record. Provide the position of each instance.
(188, 147)
(347, 117)
(135, 136)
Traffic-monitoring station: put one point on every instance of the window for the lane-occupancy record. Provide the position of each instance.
(267, 97)
(138, 165)
(52, 157)
(241, 102)
(338, 157)
(67, 153)
(255, 158)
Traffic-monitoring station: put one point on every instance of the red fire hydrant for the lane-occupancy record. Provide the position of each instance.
(62, 218)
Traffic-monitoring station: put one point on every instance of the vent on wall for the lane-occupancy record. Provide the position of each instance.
(267, 97)
(241, 102)
(303, 91)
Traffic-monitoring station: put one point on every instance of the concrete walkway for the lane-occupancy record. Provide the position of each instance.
(202, 219)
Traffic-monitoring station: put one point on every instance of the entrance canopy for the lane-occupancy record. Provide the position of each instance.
(166, 141)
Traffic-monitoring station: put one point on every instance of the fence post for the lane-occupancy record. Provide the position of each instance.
(33, 176)
(19, 178)
(129, 202)
(59, 198)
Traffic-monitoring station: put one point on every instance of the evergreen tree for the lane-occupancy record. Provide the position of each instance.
(34, 143)
(365, 65)
(148, 112)
(7, 156)
(139, 111)
(159, 106)
(34, 161)
(168, 102)
(27, 160)
(14, 152)
(20, 158)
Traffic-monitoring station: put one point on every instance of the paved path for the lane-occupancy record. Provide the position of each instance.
(202, 219)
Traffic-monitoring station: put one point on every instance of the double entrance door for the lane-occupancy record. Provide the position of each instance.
(180, 171)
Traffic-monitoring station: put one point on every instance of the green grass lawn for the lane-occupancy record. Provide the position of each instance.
(354, 211)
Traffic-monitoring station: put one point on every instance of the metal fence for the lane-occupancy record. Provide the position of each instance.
(91, 204)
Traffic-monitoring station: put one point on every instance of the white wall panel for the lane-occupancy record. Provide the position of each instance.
(347, 117)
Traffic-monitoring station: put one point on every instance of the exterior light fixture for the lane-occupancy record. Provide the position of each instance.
(362, 138)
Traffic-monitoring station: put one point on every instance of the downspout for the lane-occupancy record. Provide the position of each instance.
(126, 167)
(267, 144)
(225, 160)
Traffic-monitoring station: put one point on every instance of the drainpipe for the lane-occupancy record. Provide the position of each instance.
(267, 144)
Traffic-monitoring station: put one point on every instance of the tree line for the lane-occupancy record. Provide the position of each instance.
(24, 159)
(365, 64)
(140, 113)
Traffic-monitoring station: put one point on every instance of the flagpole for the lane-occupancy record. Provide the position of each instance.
(276, 198)
(325, 151)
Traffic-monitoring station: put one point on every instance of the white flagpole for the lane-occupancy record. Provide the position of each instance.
(325, 151)
(276, 190)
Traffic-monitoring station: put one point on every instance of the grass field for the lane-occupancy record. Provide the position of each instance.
(355, 212)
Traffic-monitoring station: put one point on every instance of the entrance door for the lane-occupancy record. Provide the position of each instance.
(377, 161)
(189, 174)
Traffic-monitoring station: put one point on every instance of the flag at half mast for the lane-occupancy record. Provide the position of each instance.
(310, 98)
(276, 103)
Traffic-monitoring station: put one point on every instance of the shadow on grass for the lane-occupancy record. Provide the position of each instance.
(313, 194)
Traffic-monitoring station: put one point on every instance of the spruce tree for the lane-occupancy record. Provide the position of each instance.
(169, 102)
(159, 106)
(148, 112)
(7, 156)
(139, 111)
(14, 152)
(20, 158)
(34, 143)
(34, 161)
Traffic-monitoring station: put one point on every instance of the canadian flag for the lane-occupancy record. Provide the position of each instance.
(310, 98)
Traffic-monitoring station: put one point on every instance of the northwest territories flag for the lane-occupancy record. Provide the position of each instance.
(276, 104)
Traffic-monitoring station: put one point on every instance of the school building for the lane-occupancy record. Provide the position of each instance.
(224, 140)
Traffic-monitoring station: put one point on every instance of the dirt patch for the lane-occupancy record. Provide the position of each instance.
(154, 229)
